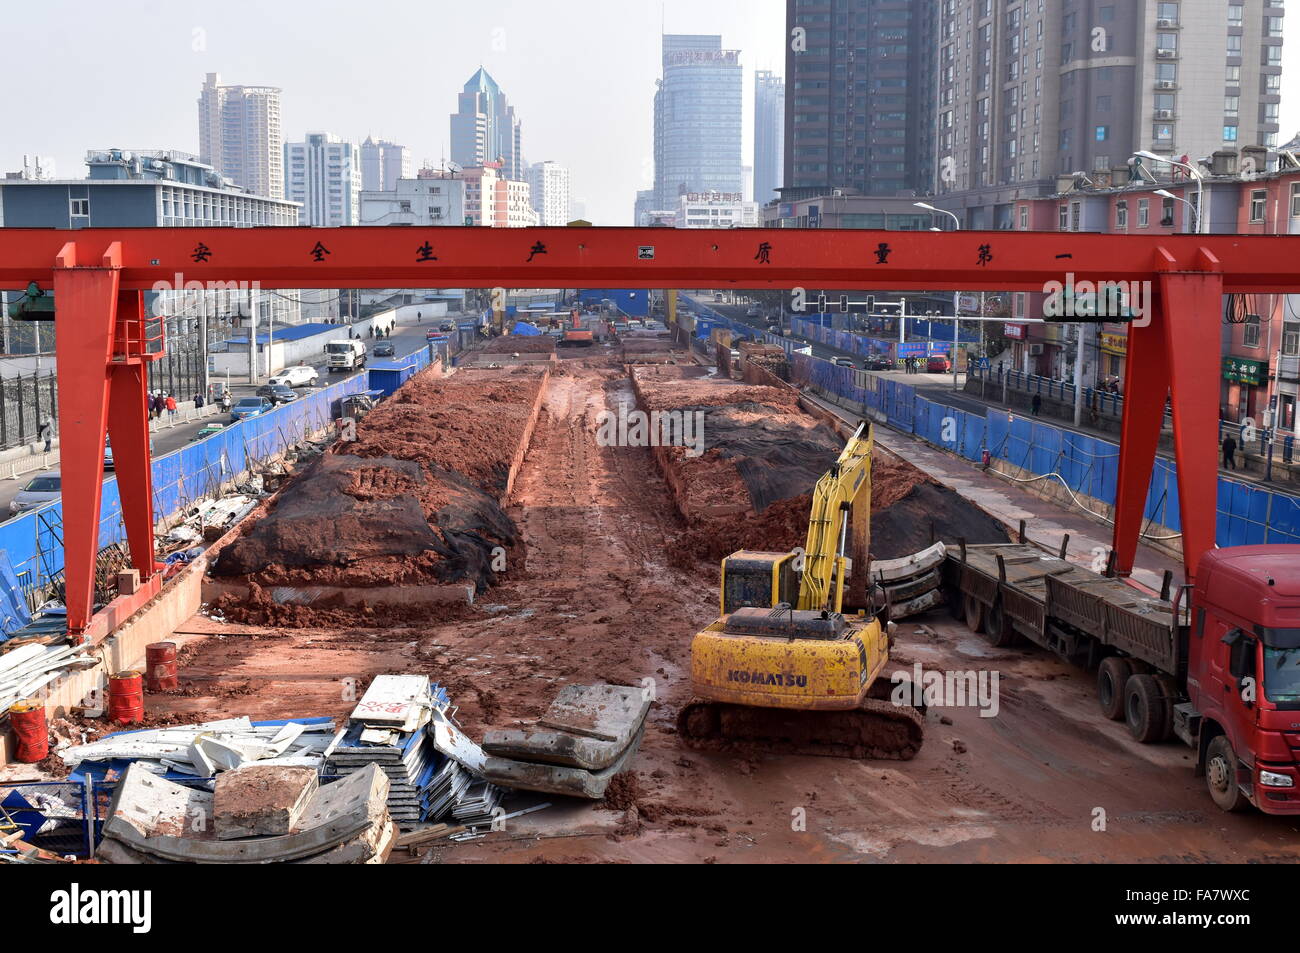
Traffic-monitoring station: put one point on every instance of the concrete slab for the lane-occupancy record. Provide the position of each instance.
(586, 726)
(258, 800)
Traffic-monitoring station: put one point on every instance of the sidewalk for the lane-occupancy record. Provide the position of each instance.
(939, 389)
(28, 457)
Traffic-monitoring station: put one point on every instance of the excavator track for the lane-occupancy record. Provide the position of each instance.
(875, 730)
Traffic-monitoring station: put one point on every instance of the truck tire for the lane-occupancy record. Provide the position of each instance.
(999, 631)
(973, 610)
(1221, 776)
(1112, 676)
(1168, 688)
(1144, 709)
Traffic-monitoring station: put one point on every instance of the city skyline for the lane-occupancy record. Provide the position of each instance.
(407, 98)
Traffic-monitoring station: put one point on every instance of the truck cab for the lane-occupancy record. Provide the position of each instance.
(345, 355)
(1243, 676)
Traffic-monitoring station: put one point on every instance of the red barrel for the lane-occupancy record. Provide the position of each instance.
(160, 667)
(126, 698)
(27, 718)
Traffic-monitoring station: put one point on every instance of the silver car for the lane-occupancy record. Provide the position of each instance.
(41, 489)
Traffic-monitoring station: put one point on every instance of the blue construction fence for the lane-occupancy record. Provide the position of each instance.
(1247, 513)
(852, 343)
(32, 543)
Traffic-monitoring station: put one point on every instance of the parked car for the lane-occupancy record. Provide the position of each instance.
(842, 361)
(277, 393)
(299, 375)
(878, 362)
(247, 407)
(384, 349)
(938, 364)
(447, 326)
(39, 490)
(108, 453)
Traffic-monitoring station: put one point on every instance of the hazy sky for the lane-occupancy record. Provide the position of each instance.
(81, 75)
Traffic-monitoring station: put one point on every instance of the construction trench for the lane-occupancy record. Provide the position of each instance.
(478, 531)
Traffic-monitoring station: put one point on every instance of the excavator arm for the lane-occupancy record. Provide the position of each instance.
(845, 485)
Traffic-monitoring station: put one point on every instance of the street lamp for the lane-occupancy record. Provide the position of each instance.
(940, 211)
(956, 298)
(1194, 173)
(1166, 194)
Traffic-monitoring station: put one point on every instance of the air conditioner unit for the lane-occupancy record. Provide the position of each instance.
(1164, 114)
(1166, 84)
(1035, 350)
(1166, 54)
(1165, 23)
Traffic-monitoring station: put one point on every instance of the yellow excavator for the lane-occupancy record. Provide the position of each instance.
(784, 668)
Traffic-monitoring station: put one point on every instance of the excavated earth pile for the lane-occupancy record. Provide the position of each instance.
(752, 487)
(415, 500)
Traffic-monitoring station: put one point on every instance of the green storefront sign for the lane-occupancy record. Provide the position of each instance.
(1244, 370)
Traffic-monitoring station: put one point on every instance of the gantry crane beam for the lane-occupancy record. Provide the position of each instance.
(847, 259)
(97, 275)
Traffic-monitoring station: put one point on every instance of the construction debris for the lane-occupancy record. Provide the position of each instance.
(204, 749)
(29, 667)
(154, 820)
(403, 726)
(588, 734)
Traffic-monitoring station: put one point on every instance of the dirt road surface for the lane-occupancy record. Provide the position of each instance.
(598, 599)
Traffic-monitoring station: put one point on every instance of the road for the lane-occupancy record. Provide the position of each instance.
(406, 340)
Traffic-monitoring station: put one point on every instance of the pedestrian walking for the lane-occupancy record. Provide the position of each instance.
(225, 401)
(46, 433)
(1229, 453)
(171, 406)
(198, 401)
(1036, 405)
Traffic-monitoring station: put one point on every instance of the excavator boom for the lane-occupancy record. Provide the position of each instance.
(846, 484)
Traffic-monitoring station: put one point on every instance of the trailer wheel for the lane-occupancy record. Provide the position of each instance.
(1221, 775)
(1144, 709)
(973, 610)
(1112, 676)
(1000, 633)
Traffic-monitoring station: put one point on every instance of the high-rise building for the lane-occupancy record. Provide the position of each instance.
(1032, 91)
(240, 136)
(860, 115)
(697, 111)
(550, 192)
(769, 134)
(484, 128)
(383, 163)
(323, 173)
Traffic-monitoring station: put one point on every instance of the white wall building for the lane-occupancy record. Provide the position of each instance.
(514, 205)
(716, 210)
(427, 200)
(549, 182)
(324, 174)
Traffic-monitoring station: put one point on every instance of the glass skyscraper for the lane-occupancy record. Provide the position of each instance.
(697, 119)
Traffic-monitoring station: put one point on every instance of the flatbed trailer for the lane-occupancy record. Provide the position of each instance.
(1214, 667)
(1015, 591)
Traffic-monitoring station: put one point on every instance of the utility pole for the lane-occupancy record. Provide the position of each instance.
(1078, 376)
(252, 336)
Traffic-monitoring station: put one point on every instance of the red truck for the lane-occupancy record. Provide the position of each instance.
(1216, 666)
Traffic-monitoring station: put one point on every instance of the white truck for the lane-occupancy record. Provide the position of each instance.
(346, 355)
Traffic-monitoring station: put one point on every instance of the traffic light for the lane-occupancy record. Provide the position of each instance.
(844, 304)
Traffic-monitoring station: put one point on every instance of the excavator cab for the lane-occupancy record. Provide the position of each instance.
(751, 578)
